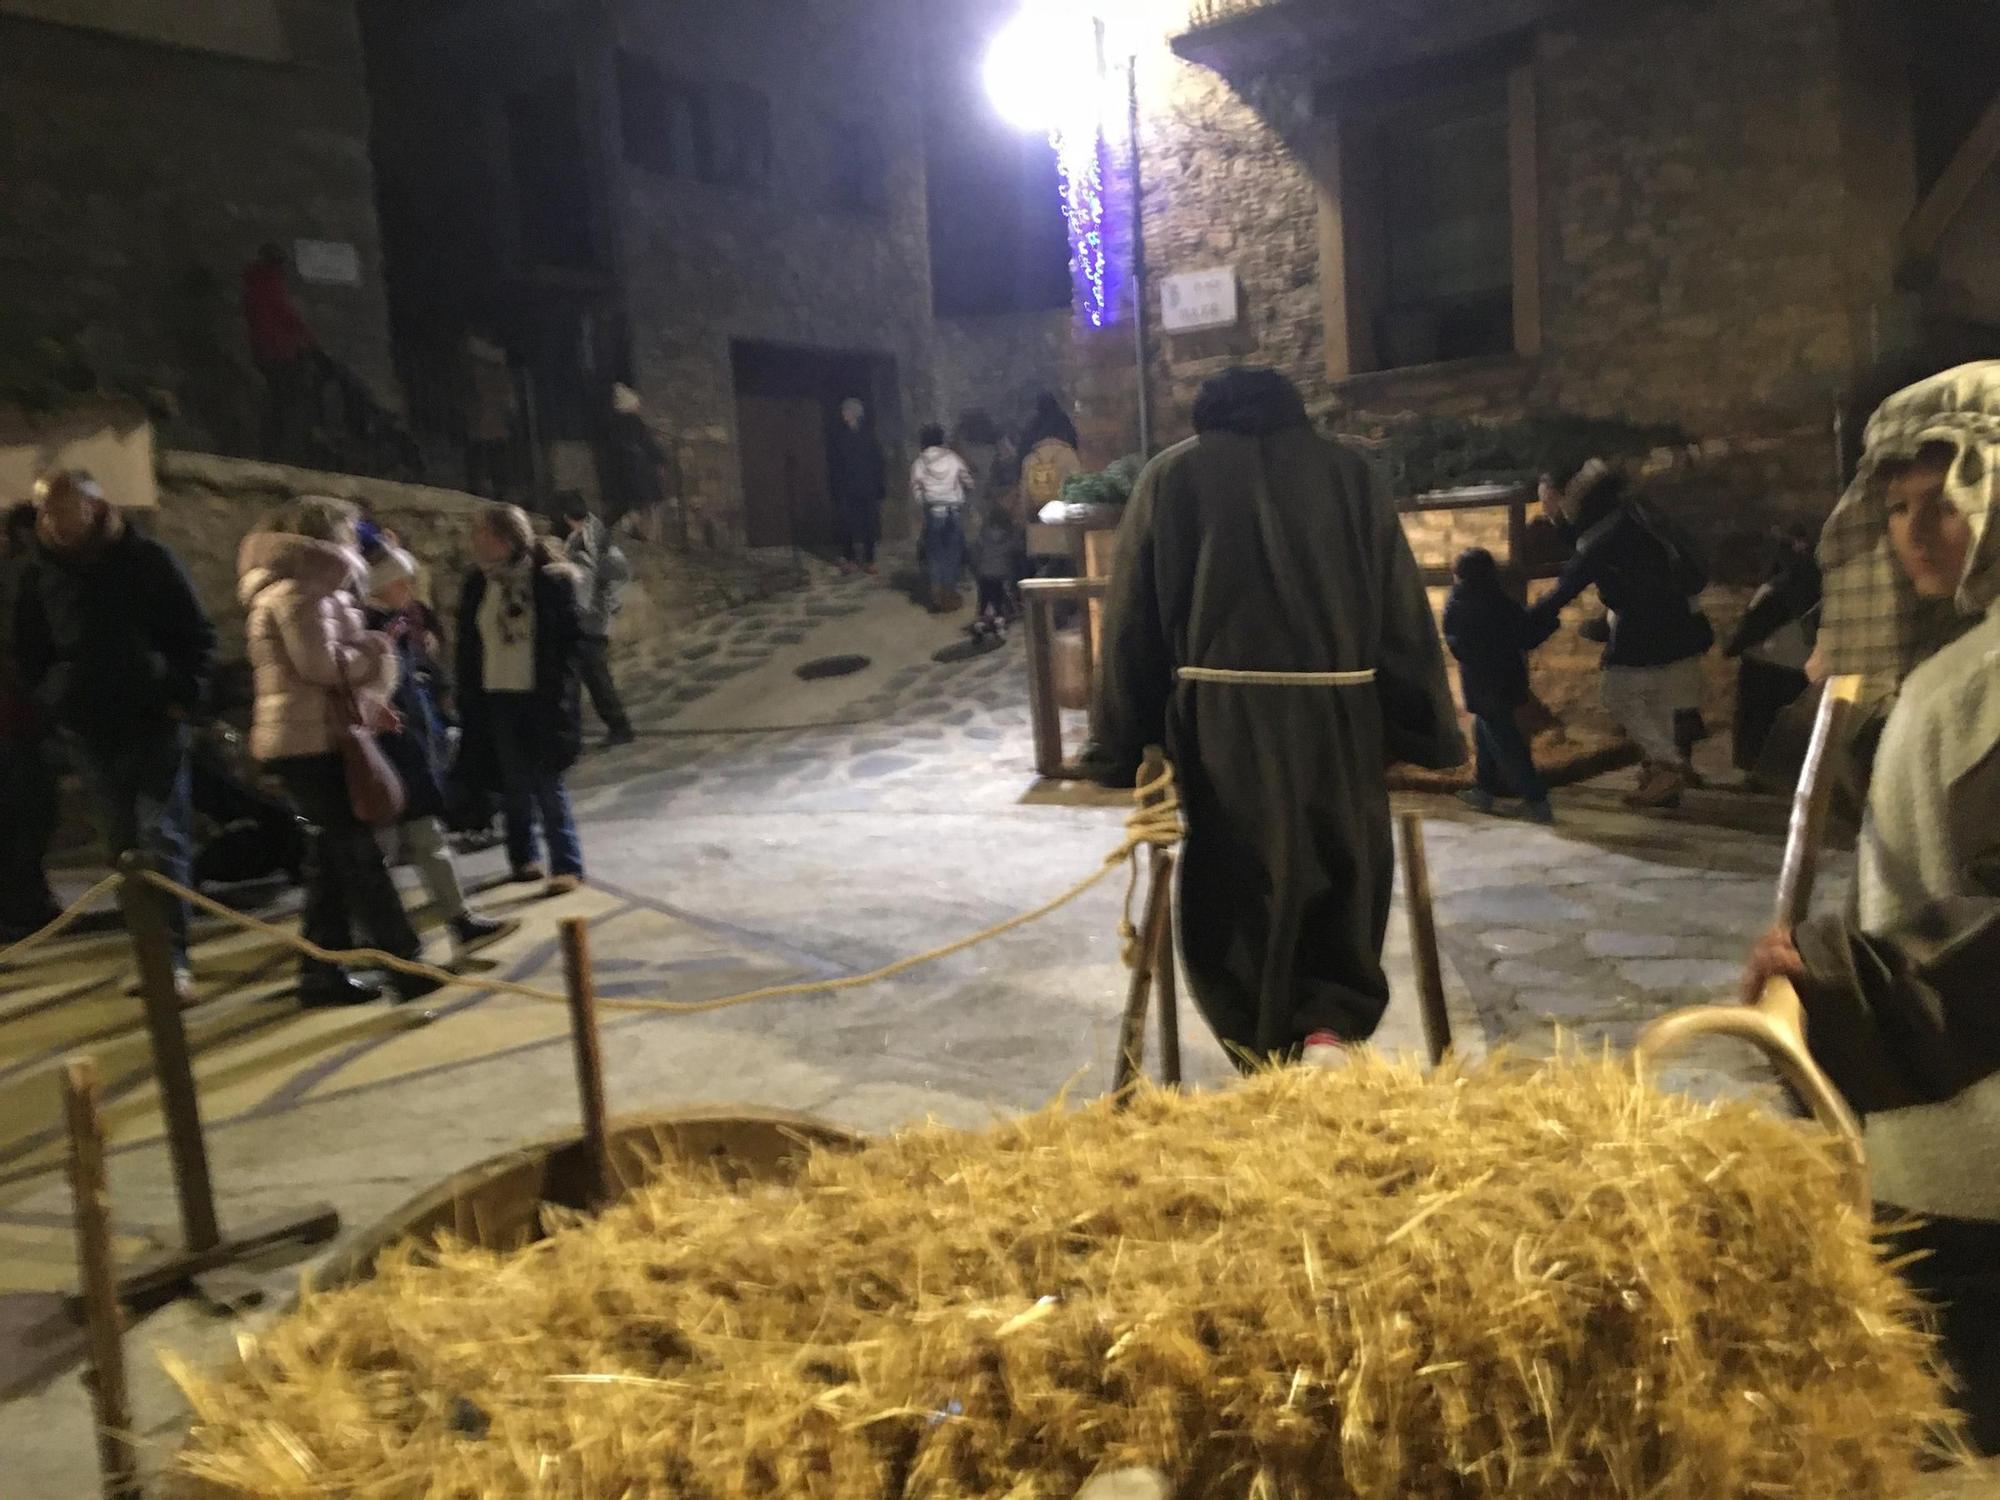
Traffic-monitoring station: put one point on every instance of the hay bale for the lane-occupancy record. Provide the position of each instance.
(1548, 1281)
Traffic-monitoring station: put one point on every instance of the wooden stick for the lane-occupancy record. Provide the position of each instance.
(589, 1056)
(152, 944)
(104, 1319)
(1132, 1032)
(1423, 940)
(1776, 1022)
(1812, 804)
(1168, 975)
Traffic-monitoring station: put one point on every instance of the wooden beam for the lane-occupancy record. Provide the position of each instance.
(104, 1319)
(589, 1048)
(1336, 315)
(1433, 1011)
(1525, 197)
(1950, 193)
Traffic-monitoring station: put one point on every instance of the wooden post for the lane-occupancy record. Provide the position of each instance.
(1423, 940)
(1043, 710)
(152, 944)
(589, 1056)
(1517, 547)
(104, 1319)
(1154, 946)
(1132, 1031)
(1168, 960)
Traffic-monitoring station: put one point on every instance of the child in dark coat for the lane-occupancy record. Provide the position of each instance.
(1491, 635)
(999, 558)
(419, 751)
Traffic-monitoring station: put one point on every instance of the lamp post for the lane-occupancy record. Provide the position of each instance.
(1050, 70)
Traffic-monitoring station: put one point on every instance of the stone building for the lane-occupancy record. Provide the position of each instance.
(146, 151)
(723, 206)
(1737, 219)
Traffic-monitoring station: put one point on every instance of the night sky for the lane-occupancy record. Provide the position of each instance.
(998, 243)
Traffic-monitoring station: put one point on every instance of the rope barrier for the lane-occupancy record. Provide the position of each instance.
(1154, 823)
(71, 915)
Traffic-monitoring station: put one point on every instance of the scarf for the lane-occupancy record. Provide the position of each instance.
(507, 627)
(1874, 625)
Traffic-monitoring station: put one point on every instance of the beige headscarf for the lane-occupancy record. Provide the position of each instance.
(1874, 624)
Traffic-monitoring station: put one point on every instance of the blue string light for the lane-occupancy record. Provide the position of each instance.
(1080, 164)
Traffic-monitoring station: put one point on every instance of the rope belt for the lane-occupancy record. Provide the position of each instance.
(1363, 678)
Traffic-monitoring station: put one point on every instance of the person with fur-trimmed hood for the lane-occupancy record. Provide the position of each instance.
(1267, 624)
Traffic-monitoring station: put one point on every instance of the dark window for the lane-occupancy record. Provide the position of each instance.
(732, 136)
(656, 117)
(1447, 218)
(551, 176)
(860, 167)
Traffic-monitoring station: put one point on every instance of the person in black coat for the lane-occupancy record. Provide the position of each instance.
(418, 749)
(518, 691)
(112, 644)
(1647, 575)
(860, 484)
(1490, 634)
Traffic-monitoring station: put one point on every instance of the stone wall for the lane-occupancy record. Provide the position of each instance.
(137, 180)
(1715, 237)
(999, 365)
(208, 505)
(783, 262)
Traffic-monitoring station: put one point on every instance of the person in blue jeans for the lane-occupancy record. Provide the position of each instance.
(114, 647)
(1491, 634)
(518, 637)
(941, 482)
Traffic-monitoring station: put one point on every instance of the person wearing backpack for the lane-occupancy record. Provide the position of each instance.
(605, 571)
(1045, 469)
(1648, 576)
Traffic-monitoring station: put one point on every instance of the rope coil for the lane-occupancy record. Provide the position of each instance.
(1154, 823)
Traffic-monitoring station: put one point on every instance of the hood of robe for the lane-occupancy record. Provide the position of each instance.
(1252, 402)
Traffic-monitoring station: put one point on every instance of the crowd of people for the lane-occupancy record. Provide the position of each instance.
(109, 651)
(967, 521)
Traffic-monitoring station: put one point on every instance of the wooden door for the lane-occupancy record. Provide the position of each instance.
(787, 497)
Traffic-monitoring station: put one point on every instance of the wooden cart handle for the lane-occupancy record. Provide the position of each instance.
(1775, 1023)
(1775, 1026)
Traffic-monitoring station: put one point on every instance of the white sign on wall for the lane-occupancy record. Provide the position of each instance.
(327, 262)
(1199, 299)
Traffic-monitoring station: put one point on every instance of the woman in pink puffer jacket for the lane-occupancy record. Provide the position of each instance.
(298, 579)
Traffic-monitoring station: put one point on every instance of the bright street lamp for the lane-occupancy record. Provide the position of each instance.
(1049, 69)
(1045, 70)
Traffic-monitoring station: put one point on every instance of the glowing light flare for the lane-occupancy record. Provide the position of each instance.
(1043, 71)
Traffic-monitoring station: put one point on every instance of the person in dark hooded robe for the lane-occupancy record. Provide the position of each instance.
(1268, 625)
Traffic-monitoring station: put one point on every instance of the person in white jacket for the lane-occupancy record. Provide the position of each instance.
(941, 482)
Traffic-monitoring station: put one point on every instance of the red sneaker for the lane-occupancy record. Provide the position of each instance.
(1324, 1050)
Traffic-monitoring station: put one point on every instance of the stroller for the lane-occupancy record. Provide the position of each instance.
(245, 831)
